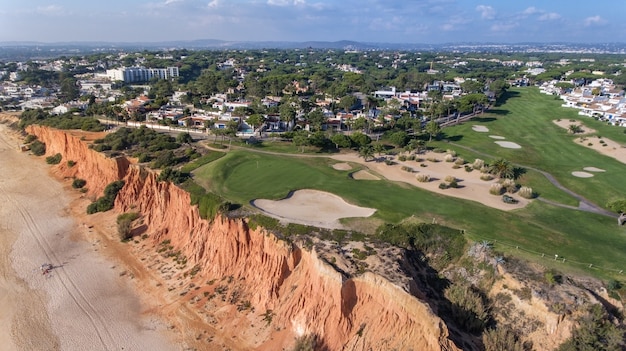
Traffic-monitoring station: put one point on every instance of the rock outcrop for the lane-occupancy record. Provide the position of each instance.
(272, 292)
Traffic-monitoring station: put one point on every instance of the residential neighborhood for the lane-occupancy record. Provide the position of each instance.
(290, 90)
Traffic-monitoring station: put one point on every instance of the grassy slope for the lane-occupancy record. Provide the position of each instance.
(525, 118)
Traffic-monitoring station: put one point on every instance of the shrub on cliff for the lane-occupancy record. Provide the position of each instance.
(124, 225)
(54, 160)
(38, 148)
(78, 183)
(467, 307)
(595, 332)
(107, 201)
(500, 338)
(172, 175)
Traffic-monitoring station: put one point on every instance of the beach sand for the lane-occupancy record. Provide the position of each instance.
(83, 303)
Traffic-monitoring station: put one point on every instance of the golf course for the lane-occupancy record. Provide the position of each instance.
(549, 225)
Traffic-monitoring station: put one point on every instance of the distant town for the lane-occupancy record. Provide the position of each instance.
(252, 92)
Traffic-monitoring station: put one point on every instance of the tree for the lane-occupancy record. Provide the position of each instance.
(256, 120)
(360, 139)
(379, 148)
(433, 129)
(399, 138)
(287, 112)
(69, 89)
(301, 139)
(472, 86)
(184, 138)
(347, 102)
(502, 169)
(366, 151)
(341, 141)
(316, 119)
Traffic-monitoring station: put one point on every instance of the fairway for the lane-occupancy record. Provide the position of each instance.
(242, 176)
(526, 118)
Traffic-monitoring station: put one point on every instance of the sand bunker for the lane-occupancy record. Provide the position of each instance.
(565, 123)
(608, 147)
(342, 166)
(582, 174)
(312, 207)
(508, 144)
(363, 175)
(481, 129)
(593, 169)
(496, 137)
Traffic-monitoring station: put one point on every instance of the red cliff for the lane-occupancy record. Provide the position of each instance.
(272, 291)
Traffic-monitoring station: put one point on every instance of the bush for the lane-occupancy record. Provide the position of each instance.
(468, 308)
(38, 148)
(407, 169)
(495, 189)
(478, 164)
(509, 185)
(468, 169)
(617, 206)
(71, 163)
(595, 332)
(54, 160)
(450, 179)
(453, 184)
(78, 183)
(451, 152)
(389, 162)
(432, 159)
(459, 161)
(498, 339)
(124, 225)
(449, 158)
(486, 177)
(402, 158)
(423, 178)
(526, 192)
(30, 138)
(443, 186)
(107, 201)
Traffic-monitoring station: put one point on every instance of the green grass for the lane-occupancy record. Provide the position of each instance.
(208, 158)
(527, 118)
(242, 176)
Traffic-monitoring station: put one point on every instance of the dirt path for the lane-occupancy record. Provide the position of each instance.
(82, 303)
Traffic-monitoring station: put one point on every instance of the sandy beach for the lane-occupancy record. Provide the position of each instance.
(83, 302)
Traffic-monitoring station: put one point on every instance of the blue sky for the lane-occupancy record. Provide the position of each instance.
(396, 21)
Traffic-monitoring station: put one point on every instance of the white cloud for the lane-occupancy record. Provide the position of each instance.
(213, 4)
(594, 21)
(503, 27)
(549, 16)
(169, 2)
(49, 10)
(486, 12)
(530, 11)
(278, 2)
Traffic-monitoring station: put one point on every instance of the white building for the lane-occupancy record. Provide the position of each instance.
(141, 74)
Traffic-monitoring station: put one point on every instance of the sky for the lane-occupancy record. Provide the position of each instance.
(390, 21)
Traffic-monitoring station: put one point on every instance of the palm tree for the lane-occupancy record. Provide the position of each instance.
(366, 151)
(503, 169)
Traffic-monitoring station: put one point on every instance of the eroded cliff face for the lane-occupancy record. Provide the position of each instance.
(262, 291)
